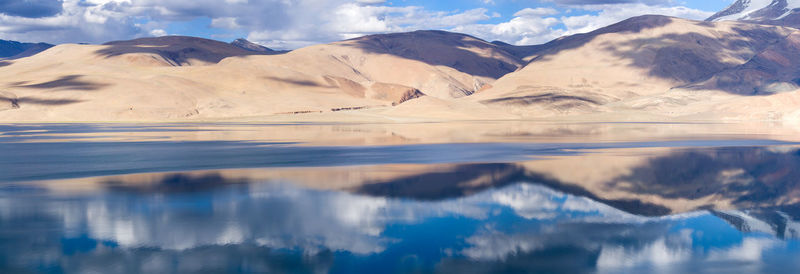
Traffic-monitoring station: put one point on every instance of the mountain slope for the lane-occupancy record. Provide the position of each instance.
(16, 50)
(641, 56)
(176, 50)
(247, 45)
(148, 79)
(773, 70)
(440, 64)
(775, 12)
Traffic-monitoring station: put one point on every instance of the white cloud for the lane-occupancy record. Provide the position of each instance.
(540, 25)
(225, 23)
(295, 23)
(529, 12)
(158, 32)
(610, 14)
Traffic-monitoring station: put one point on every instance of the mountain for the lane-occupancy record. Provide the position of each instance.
(643, 64)
(525, 53)
(174, 77)
(773, 70)
(776, 12)
(646, 68)
(247, 45)
(16, 50)
(176, 50)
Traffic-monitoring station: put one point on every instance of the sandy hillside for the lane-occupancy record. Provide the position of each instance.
(647, 68)
(178, 78)
(652, 65)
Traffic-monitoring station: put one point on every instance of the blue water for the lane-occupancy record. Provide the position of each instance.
(436, 220)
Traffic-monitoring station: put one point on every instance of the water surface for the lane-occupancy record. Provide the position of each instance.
(336, 198)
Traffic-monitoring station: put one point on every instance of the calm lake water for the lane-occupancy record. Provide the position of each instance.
(491, 197)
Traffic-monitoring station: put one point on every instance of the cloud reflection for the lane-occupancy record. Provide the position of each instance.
(523, 226)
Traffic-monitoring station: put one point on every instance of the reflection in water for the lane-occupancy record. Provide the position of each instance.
(636, 206)
(283, 227)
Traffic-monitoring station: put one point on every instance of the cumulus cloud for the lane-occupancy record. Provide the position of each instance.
(291, 24)
(609, 14)
(540, 25)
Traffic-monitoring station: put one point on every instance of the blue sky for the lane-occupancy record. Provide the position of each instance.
(287, 24)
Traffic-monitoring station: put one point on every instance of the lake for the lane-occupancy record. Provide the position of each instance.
(469, 197)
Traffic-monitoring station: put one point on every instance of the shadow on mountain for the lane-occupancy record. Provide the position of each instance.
(179, 50)
(306, 83)
(5, 63)
(632, 25)
(21, 101)
(551, 98)
(522, 52)
(688, 58)
(69, 82)
(441, 48)
(46, 102)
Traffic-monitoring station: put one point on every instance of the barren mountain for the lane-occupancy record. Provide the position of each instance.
(773, 70)
(774, 12)
(247, 45)
(146, 79)
(175, 50)
(15, 50)
(644, 68)
(631, 65)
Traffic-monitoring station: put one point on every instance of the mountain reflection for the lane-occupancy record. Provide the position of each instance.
(666, 210)
(282, 227)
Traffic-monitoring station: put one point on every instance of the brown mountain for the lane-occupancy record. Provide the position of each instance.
(644, 68)
(176, 50)
(159, 78)
(637, 65)
(14, 50)
(775, 12)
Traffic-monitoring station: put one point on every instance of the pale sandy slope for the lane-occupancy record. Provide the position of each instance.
(654, 66)
(142, 79)
(647, 68)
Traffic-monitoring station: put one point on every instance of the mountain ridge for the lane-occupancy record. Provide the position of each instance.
(645, 67)
(14, 50)
(773, 12)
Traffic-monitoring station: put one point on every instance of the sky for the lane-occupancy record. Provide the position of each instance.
(290, 24)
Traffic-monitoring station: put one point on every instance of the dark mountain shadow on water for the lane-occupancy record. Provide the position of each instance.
(176, 183)
(750, 177)
(466, 180)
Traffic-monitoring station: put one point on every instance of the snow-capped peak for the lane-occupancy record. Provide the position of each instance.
(757, 10)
